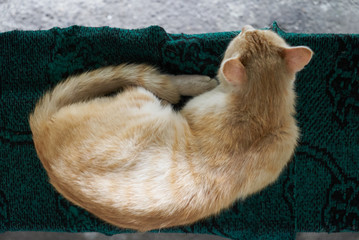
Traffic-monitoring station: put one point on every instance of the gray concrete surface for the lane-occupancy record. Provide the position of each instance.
(98, 236)
(191, 16)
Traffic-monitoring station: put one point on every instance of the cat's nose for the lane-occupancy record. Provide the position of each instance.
(247, 28)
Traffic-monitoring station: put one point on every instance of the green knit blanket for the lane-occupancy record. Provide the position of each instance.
(318, 191)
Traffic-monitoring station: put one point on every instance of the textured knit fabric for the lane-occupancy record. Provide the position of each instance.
(318, 191)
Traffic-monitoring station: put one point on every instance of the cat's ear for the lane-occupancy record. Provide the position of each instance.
(234, 71)
(297, 57)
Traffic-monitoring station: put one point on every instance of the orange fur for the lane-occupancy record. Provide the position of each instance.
(134, 162)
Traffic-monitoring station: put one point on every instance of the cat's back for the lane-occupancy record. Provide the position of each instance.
(119, 158)
(115, 128)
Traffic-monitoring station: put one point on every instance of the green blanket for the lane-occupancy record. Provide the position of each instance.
(318, 191)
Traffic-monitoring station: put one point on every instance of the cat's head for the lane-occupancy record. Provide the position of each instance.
(262, 55)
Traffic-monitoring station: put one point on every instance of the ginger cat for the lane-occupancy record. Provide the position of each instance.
(134, 162)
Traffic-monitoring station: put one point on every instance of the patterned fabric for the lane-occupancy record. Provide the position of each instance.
(318, 191)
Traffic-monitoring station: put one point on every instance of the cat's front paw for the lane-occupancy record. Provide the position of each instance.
(193, 85)
(207, 83)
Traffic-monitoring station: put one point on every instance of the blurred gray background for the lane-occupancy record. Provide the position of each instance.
(191, 16)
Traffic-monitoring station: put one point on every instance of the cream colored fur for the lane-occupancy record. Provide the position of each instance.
(133, 161)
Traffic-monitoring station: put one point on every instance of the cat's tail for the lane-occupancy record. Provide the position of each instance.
(99, 83)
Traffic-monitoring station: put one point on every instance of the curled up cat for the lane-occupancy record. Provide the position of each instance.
(134, 162)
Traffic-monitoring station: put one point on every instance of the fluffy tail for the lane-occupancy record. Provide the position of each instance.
(99, 83)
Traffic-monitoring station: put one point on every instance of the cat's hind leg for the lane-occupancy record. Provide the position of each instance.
(193, 85)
